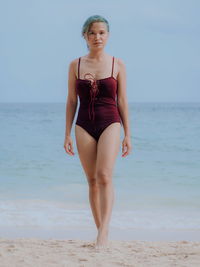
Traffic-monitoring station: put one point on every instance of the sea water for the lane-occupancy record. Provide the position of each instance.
(157, 186)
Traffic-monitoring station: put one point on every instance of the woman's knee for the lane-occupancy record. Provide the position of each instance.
(92, 181)
(103, 177)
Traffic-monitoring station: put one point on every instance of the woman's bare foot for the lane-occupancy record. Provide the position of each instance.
(102, 238)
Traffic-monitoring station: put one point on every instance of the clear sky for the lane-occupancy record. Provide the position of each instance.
(159, 41)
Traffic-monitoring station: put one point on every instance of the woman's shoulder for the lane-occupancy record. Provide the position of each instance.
(119, 61)
(74, 61)
(119, 66)
(73, 64)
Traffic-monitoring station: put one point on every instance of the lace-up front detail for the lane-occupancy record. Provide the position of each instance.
(94, 90)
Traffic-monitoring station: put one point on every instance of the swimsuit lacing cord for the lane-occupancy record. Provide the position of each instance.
(93, 92)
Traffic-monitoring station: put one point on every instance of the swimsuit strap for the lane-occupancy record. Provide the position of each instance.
(112, 66)
(79, 67)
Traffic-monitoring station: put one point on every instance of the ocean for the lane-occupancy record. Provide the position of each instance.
(157, 187)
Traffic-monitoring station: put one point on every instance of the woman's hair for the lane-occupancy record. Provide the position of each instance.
(88, 23)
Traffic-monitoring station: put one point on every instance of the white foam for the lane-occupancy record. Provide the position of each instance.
(37, 213)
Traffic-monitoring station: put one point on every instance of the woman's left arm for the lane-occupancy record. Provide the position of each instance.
(122, 104)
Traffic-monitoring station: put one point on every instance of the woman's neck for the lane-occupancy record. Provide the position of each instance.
(98, 55)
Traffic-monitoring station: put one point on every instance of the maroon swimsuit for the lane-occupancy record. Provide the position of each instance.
(98, 106)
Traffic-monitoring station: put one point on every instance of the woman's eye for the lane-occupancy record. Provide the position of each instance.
(92, 33)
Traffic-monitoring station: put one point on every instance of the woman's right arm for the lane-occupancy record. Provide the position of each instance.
(71, 106)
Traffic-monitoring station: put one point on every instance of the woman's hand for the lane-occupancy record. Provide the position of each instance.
(126, 146)
(68, 145)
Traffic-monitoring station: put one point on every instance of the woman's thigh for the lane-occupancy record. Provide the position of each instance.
(107, 149)
(87, 150)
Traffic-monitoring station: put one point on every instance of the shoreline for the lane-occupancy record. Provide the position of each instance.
(89, 234)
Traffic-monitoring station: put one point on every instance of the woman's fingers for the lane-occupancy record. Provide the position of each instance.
(68, 146)
(124, 151)
(71, 149)
(126, 148)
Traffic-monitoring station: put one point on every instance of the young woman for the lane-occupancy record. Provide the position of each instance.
(100, 82)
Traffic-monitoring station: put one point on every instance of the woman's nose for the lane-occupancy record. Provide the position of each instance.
(97, 36)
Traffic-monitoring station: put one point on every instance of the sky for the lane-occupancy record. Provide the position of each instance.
(157, 40)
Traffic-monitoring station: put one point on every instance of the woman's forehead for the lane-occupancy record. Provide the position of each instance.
(98, 26)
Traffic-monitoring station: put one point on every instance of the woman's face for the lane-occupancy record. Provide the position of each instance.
(97, 35)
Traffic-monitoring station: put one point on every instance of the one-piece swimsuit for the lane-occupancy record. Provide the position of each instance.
(98, 102)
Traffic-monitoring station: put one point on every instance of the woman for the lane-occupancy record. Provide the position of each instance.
(98, 79)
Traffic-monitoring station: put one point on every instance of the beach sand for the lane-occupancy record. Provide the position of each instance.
(24, 252)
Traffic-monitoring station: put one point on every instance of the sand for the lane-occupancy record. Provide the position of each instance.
(21, 252)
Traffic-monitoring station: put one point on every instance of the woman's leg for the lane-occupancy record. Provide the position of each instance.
(107, 149)
(87, 150)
